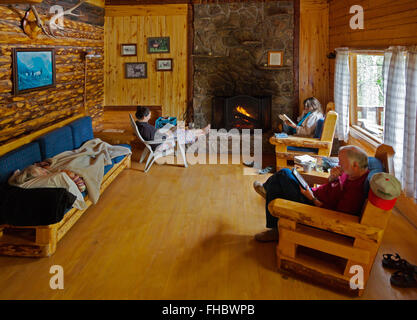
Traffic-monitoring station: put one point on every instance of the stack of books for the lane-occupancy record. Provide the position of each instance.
(305, 159)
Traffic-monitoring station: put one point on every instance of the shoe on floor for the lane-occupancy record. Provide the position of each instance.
(267, 235)
(259, 188)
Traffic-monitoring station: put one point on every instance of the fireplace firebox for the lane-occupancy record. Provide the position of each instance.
(241, 112)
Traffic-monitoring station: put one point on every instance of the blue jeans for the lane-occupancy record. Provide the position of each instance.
(282, 185)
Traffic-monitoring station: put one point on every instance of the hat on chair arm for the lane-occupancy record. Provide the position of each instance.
(384, 190)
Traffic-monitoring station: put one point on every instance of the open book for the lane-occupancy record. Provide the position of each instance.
(284, 117)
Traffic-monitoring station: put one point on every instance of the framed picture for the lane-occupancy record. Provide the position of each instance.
(136, 70)
(128, 49)
(163, 64)
(275, 58)
(33, 69)
(158, 45)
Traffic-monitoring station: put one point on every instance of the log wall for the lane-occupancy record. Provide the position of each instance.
(28, 112)
(314, 45)
(133, 25)
(387, 23)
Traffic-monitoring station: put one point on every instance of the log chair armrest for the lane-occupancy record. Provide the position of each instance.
(300, 142)
(324, 219)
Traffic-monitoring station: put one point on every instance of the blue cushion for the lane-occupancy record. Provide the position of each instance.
(19, 159)
(317, 135)
(319, 129)
(374, 166)
(303, 149)
(55, 142)
(120, 158)
(107, 168)
(82, 131)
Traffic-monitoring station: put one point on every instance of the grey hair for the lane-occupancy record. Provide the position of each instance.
(356, 154)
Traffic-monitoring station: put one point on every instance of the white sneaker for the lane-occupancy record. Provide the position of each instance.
(259, 188)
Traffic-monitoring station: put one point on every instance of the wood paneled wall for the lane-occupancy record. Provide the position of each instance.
(314, 46)
(387, 23)
(134, 24)
(28, 112)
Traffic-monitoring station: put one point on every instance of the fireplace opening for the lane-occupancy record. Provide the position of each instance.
(242, 112)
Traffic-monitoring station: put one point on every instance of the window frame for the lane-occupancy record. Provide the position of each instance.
(353, 106)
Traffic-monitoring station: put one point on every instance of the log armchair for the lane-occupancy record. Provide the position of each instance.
(321, 246)
(320, 145)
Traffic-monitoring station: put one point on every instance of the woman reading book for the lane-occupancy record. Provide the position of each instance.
(307, 122)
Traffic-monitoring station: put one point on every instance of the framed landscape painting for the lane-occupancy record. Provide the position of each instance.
(33, 69)
(158, 45)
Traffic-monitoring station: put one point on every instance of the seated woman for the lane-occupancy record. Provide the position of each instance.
(307, 122)
(148, 131)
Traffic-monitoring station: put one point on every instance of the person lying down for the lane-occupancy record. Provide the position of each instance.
(39, 175)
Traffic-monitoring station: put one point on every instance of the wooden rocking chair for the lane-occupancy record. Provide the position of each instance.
(322, 246)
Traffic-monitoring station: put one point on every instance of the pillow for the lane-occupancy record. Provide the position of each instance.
(374, 166)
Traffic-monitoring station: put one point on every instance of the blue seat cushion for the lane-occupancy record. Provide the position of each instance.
(317, 135)
(82, 131)
(55, 142)
(120, 158)
(19, 159)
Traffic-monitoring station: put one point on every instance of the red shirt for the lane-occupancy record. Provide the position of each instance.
(342, 194)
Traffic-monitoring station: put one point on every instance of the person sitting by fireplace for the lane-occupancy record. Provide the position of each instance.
(307, 122)
(149, 132)
(343, 192)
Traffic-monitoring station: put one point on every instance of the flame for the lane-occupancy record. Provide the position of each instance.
(243, 111)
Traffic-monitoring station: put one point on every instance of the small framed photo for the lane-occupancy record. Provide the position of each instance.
(128, 49)
(158, 45)
(275, 58)
(33, 69)
(163, 64)
(136, 70)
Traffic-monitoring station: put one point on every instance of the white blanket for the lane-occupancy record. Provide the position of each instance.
(88, 162)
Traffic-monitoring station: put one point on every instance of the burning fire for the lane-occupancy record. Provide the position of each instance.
(243, 111)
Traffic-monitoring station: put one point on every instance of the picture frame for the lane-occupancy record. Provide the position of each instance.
(128, 49)
(275, 58)
(164, 64)
(33, 69)
(158, 45)
(136, 70)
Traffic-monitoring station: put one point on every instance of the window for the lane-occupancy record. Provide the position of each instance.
(367, 94)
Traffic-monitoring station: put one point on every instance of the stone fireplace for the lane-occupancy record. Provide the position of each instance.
(231, 44)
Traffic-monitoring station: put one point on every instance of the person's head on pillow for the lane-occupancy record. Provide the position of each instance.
(29, 173)
(143, 114)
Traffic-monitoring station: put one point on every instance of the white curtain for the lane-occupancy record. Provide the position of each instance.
(410, 141)
(342, 93)
(401, 114)
(395, 107)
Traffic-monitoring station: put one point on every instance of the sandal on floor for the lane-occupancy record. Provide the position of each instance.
(391, 261)
(404, 279)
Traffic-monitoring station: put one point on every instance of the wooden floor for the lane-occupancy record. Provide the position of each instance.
(177, 233)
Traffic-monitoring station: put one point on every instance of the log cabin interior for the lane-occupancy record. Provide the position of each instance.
(177, 232)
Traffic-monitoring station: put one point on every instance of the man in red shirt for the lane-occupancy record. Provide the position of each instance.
(344, 192)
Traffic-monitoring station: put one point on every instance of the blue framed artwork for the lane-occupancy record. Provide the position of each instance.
(33, 69)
